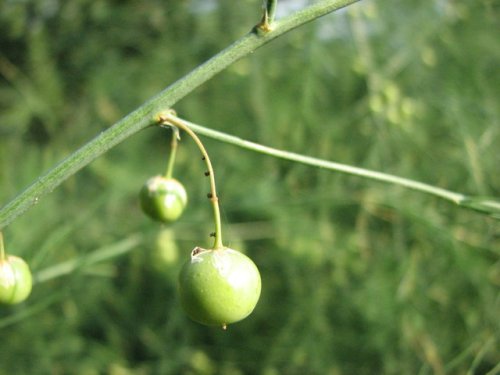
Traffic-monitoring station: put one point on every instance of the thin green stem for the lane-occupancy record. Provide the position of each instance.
(143, 116)
(271, 9)
(266, 23)
(2, 248)
(173, 152)
(320, 163)
(169, 118)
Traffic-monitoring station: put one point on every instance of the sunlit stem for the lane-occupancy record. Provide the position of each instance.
(173, 152)
(2, 249)
(169, 118)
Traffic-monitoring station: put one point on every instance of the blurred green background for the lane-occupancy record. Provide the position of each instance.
(359, 277)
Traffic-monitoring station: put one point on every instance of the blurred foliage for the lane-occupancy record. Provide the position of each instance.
(358, 277)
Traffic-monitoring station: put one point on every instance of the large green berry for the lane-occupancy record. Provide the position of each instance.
(219, 287)
(163, 199)
(15, 280)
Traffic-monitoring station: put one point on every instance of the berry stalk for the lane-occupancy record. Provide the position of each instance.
(169, 118)
(173, 152)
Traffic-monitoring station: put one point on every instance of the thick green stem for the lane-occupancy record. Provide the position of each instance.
(142, 117)
(168, 118)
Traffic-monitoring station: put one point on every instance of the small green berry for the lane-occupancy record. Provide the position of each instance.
(15, 280)
(163, 199)
(219, 287)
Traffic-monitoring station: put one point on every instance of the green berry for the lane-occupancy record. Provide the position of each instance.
(219, 287)
(15, 280)
(163, 199)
